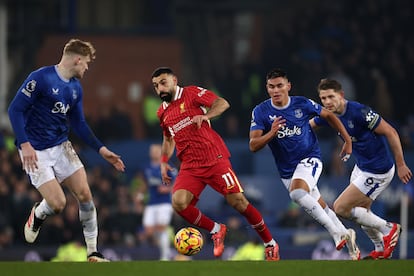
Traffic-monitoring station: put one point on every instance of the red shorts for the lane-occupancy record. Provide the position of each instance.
(220, 177)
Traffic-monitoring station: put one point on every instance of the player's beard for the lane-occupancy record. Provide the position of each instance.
(166, 96)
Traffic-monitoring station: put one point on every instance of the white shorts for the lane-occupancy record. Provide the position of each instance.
(308, 169)
(371, 184)
(58, 162)
(157, 214)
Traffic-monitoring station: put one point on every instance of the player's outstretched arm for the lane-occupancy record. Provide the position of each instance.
(403, 171)
(336, 124)
(112, 158)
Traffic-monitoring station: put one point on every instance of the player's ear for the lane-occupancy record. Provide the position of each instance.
(77, 60)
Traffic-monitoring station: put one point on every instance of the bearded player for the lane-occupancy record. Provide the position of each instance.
(185, 115)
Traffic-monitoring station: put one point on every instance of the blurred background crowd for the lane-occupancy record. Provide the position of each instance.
(224, 45)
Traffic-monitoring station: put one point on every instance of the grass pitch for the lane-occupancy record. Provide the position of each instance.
(209, 268)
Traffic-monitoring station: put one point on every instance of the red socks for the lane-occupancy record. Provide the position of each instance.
(193, 215)
(256, 221)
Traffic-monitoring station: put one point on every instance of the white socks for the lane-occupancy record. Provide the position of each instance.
(314, 209)
(164, 245)
(87, 216)
(335, 219)
(375, 236)
(367, 218)
(43, 210)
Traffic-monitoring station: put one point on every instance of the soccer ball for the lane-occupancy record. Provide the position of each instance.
(188, 241)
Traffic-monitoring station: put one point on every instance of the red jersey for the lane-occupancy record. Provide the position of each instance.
(195, 147)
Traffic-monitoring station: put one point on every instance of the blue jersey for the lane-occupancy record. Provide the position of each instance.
(296, 140)
(369, 149)
(152, 175)
(44, 109)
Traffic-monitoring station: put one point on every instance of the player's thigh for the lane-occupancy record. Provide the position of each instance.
(352, 197)
(77, 183)
(52, 192)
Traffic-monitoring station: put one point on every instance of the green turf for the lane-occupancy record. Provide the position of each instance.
(208, 268)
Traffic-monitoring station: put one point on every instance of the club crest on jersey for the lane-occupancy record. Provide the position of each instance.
(29, 88)
(298, 113)
(74, 94)
(182, 108)
(350, 124)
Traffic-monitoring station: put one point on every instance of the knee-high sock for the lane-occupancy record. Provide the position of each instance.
(87, 216)
(314, 209)
(255, 219)
(194, 216)
(43, 210)
(335, 219)
(367, 218)
(164, 244)
(375, 236)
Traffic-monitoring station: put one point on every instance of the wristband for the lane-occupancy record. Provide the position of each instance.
(164, 158)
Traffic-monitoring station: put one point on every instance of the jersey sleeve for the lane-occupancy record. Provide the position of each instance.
(256, 123)
(369, 118)
(320, 121)
(22, 101)
(81, 127)
(203, 96)
(313, 107)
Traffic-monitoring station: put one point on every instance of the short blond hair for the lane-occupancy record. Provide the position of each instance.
(77, 46)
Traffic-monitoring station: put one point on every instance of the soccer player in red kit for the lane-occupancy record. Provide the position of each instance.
(185, 115)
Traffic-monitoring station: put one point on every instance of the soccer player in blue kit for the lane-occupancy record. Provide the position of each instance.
(49, 102)
(374, 168)
(282, 123)
(158, 211)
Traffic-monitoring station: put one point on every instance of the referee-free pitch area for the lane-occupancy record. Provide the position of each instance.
(208, 268)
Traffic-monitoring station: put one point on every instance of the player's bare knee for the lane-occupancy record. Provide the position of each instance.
(341, 210)
(238, 202)
(83, 195)
(179, 203)
(58, 205)
(179, 206)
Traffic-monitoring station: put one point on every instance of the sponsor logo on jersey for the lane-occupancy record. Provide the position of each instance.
(287, 132)
(60, 107)
(180, 125)
(29, 88)
(202, 92)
